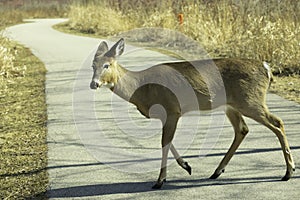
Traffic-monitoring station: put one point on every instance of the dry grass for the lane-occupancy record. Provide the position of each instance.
(87, 23)
(10, 17)
(287, 87)
(234, 30)
(8, 69)
(23, 148)
(264, 30)
(14, 14)
(23, 118)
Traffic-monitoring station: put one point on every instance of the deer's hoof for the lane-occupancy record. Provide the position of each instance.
(188, 168)
(288, 175)
(216, 174)
(158, 184)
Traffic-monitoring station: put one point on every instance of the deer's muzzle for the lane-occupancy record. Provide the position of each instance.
(94, 85)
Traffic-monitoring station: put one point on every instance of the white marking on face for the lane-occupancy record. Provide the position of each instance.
(108, 85)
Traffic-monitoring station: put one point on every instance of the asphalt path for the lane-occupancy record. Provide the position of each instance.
(100, 147)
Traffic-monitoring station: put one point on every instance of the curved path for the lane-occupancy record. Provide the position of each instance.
(77, 170)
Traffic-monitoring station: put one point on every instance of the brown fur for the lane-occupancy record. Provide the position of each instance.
(239, 84)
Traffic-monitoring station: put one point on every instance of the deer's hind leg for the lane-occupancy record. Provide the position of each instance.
(275, 124)
(240, 130)
(169, 129)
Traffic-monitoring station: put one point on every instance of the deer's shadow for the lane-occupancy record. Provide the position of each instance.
(140, 187)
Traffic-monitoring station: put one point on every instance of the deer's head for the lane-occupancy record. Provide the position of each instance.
(105, 65)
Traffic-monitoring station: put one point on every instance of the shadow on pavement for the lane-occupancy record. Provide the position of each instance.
(140, 187)
(101, 189)
(241, 152)
(145, 186)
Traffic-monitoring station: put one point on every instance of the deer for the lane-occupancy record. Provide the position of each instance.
(242, 82)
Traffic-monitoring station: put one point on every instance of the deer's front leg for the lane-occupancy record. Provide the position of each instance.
(163, 169)
(167, 137)
(185, 165)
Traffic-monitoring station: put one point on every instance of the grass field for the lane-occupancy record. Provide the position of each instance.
(23, 115)
(23, 118)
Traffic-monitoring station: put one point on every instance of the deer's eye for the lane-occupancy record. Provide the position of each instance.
(106, 65)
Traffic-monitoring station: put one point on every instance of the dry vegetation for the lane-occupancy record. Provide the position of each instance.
(12, 13)
(264, 30)
(23, 148)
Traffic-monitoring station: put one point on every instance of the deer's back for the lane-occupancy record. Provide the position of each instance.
(237, 82)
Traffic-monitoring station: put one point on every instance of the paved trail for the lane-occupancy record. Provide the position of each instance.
(95, 153)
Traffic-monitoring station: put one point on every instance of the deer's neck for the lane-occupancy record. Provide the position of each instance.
(127, 83)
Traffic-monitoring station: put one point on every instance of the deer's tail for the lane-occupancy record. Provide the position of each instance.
(270, 75)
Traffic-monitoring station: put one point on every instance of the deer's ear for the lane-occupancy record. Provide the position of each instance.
(102, 48)
(117, 49)
(120, 47)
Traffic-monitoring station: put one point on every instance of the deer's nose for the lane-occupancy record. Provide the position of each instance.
(94, 85)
